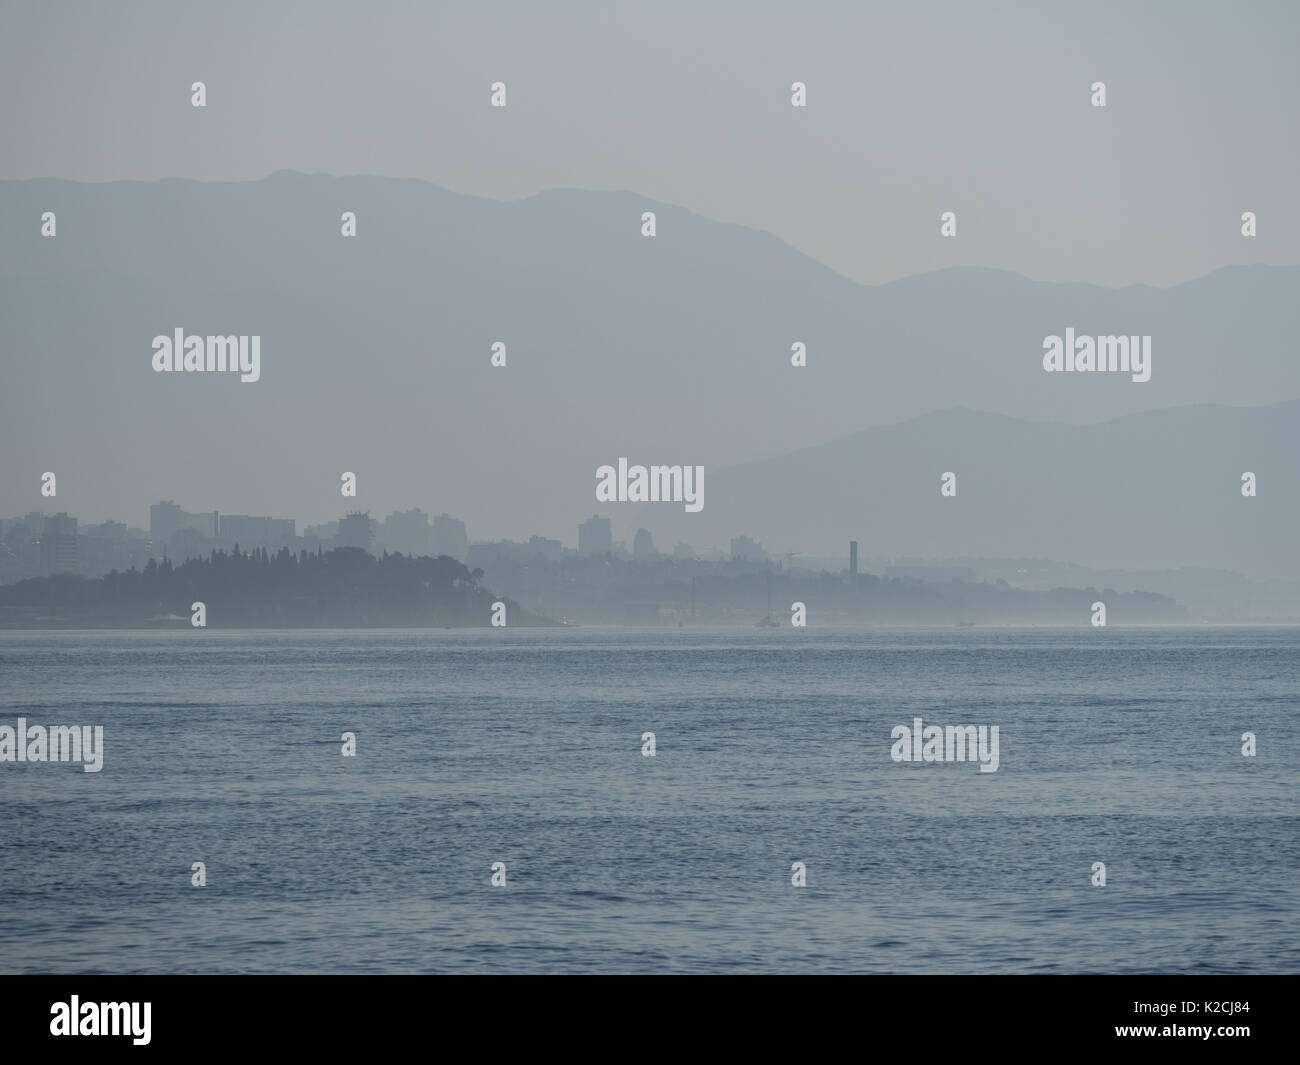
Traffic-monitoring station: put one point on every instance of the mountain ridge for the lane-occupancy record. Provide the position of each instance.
(376, 349)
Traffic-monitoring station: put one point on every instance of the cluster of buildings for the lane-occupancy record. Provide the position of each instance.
(180, 535)
(596, 537)
(40, 544)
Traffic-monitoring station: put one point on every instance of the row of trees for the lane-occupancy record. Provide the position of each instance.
(343, 587)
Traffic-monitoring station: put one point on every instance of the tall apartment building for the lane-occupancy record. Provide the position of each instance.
(595, 536)
(59, 544)
(355, 530)
(166, 519)
(450, 537)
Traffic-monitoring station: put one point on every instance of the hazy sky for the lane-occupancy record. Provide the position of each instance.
(914, 109)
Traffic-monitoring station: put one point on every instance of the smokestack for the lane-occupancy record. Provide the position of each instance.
(853, 558)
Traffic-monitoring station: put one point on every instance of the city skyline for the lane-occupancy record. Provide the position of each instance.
(175, 533)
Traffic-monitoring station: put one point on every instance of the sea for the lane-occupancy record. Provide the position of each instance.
(520, 756)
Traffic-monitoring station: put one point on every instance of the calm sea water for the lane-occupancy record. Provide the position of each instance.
(524, 747)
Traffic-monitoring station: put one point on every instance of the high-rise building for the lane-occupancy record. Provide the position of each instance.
(450, 538)
(407, 532)
(59, 544)
(355, 530)
(853, 558)
(108, 546)
(188, 543)
(643, 545)
(166, 519)
(594, 536)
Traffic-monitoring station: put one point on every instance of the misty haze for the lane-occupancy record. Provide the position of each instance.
(623, 490)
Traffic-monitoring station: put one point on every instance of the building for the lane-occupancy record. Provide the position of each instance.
(188, 543)
(853, 558)
(407, 532)
(643, 545)
(551, 550)
(110, 546)
(506, 553)
(248, 532)
(450, 538)
(166, 519)
(20, 547)
(59, 544)
(355, 531)
(595, 537)
(745, 549)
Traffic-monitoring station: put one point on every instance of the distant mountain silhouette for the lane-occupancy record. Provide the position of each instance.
(1151, 491)
(375, 349)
